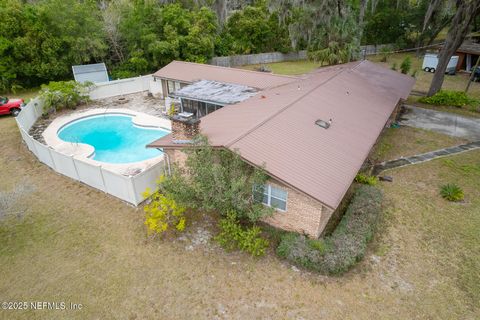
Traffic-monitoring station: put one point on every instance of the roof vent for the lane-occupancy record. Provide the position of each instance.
(324, 124)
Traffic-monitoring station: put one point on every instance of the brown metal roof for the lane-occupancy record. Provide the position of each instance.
(190, 72)
(276, 128)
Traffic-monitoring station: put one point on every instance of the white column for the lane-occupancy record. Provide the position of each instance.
(469, 62)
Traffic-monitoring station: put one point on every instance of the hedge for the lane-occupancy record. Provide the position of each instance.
(346, 246)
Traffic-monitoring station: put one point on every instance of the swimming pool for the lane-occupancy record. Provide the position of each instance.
(115, 137)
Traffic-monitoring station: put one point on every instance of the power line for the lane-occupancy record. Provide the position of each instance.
(409, 49)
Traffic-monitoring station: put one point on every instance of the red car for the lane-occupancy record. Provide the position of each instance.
(13, 106)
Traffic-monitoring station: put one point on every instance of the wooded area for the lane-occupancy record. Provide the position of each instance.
(40, 40)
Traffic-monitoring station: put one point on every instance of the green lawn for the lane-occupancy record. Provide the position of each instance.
(25, 94)
(407, 141)
(288, 67)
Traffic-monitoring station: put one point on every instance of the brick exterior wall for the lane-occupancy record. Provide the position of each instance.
(176, 156)
(304, 214)
(184, 130)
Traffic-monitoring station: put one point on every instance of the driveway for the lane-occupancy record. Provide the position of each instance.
(443, 122)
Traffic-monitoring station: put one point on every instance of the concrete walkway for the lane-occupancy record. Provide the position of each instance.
(419, 158)
(443, 122)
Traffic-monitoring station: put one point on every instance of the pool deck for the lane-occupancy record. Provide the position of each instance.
(84, 151)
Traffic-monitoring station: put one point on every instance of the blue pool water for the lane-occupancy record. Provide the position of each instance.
(115, 138)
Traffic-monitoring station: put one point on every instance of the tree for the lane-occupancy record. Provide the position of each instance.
(255, 30)
(437, 16)
(336, 43)
(466, 12)
(40, 41)
(200, 40)
(216, 180)
(361, 16)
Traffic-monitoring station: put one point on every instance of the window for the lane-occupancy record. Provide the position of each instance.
(170, 86)
(271, 196)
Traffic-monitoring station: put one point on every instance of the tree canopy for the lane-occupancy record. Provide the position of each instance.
(40, 40)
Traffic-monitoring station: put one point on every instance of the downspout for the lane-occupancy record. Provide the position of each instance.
(169, 172)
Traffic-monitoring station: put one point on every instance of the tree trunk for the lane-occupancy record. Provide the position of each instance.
(361, 17)
(433, 7)
(466, 11)
(221, 9)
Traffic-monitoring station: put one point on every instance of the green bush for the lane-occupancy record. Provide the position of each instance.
(216, 180)
(385, 52)
(58, 95)
(450, 98)
(233, 236)
(394, 66)
(366, 179)
(451, 192)
(347, 244)
(406, 65)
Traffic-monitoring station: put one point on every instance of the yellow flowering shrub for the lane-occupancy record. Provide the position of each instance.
(163, 213)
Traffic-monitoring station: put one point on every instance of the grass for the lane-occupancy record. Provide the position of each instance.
(64, 241)
(408, 141)
(25, 94)
(457, 82)
(288, 67)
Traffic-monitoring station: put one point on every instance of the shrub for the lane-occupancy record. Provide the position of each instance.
(450, 98)
(216, 180)
(451, 192)
(366, 179)
(172, 110)
(163, 214)
(234, 236)
(347, 244)
(64, 94)
(406, 65)
(385, 52)
(394, 66)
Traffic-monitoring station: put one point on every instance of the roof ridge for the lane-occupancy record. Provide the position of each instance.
(241, 70)
(228, 144)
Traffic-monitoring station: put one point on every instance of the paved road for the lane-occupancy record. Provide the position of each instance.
(443, 122)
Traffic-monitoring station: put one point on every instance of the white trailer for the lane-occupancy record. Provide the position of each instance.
(430, 62)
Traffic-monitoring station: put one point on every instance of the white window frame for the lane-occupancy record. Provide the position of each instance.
(267, 188)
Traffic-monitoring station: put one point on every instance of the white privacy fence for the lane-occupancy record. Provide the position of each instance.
(128, 188)
(126, 86)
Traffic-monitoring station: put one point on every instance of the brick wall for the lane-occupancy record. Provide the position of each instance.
(176, 156)
(184, 130)
(304, 214)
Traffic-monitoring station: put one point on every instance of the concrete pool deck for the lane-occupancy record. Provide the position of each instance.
(83, 152)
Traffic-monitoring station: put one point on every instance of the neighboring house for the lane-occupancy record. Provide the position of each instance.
(312, 133)
(468, 54)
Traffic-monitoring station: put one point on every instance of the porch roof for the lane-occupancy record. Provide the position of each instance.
(215, 92)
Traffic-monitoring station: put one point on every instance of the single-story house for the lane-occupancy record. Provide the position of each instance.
(311, 133)
(203, 88)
